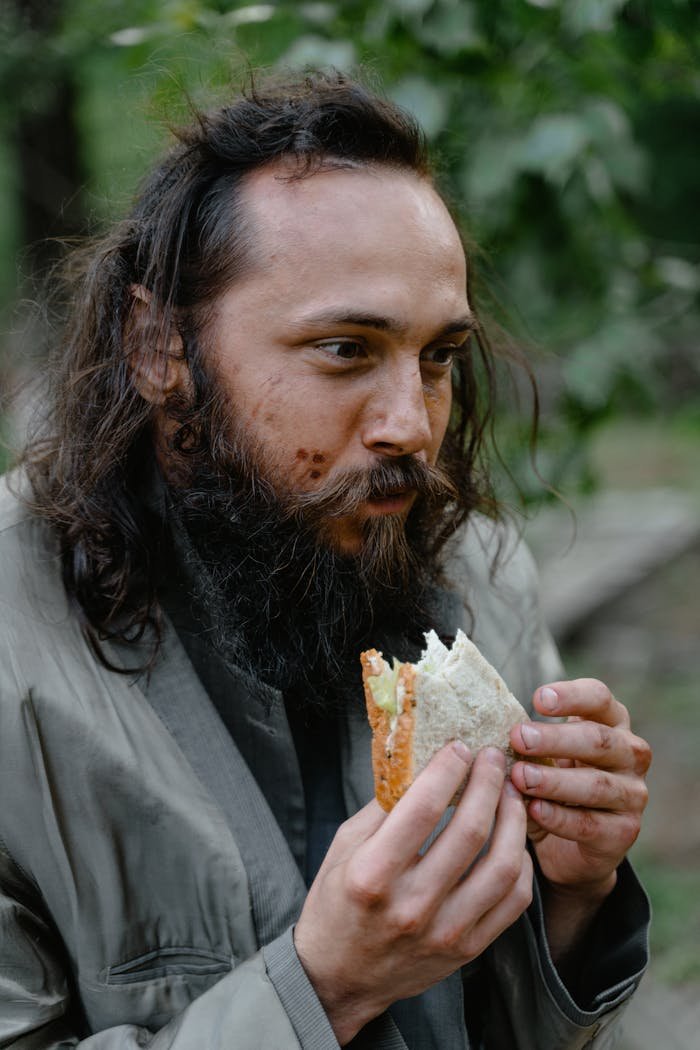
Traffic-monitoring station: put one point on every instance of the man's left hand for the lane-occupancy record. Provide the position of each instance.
(585, 811)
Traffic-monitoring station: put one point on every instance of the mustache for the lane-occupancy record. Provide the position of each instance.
(344, 494)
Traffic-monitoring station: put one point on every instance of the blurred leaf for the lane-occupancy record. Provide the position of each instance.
(410, 7)
(553, 145)
(312, 50)
(317, 13)
(598, 180)
(624, 345)
(451, 28)
(678, 273)
(254, 13)
(136, 34)
(584, 16)
(428, 103)
(606, 121)
(492, 167)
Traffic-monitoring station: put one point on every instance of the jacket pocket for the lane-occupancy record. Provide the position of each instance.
(169, 962)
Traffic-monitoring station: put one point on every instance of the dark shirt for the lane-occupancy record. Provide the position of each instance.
(317, 744)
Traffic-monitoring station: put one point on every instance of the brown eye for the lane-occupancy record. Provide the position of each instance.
(440, 355)
(444, 356)
(344, 349)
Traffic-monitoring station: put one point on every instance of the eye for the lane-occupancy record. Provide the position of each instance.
(444, 356)
(343, 349)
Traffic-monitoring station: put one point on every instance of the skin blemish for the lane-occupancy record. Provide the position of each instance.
(318, 458)
(302, 454)
(315, 474)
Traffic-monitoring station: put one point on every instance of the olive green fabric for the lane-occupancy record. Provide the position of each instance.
(141, 869)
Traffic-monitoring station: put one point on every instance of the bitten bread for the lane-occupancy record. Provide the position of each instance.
(414, 709)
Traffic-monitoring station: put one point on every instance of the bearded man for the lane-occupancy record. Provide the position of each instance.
(262, 453)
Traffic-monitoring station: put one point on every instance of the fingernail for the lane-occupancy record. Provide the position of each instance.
(510, 789)
(532, 775)
(544, 810)
(531, 736)
(495, 757)
(549, 698)
(461, 749)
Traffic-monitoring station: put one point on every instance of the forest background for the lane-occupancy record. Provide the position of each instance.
(567, 131)
(568, 138)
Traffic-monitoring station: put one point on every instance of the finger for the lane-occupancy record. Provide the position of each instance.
(592, 743)
(474, 915)
(362, 825)
(504, 914)
(581, 786)
(416, 814)
(352, 833)
(534, 832)
(459, 844)
(586, 697)
(604, 833)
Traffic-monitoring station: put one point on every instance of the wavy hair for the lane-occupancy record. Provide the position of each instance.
(185, 241)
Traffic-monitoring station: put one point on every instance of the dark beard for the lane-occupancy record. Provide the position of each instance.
(276, 600)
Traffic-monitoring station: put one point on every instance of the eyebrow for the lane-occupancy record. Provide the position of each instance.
(380, 322)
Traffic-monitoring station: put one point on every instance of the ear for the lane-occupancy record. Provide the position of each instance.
(158, 366)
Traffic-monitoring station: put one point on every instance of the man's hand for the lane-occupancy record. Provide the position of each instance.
(586, 810)
(381, 922)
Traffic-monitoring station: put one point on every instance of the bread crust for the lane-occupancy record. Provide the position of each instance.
(392, 753)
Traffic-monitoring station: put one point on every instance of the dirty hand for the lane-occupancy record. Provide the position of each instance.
(383, 922)
(585, 811)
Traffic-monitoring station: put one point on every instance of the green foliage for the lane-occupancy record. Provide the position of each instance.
(676, 928)
(553, 121)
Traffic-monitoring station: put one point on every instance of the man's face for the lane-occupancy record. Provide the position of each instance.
(335, 351)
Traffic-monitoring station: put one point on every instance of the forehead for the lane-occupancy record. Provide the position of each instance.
(352, 222)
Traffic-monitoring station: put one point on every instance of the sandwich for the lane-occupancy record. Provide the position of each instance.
(414, 709)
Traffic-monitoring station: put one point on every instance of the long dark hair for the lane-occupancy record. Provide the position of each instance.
(185, 242)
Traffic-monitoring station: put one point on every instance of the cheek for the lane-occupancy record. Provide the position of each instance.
(310, 465)
(273, 406)
(439, 405)
(304, 432)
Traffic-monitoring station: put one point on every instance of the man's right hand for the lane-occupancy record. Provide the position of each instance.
(383, 922)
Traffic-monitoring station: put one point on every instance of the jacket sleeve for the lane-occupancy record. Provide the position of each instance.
(528, 1007)
(39, 1009)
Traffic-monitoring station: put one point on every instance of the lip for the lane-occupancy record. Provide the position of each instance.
(395, 503)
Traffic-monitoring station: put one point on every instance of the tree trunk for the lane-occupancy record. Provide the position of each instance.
(51, 171)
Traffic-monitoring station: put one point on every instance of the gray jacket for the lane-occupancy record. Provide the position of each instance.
(147, 894)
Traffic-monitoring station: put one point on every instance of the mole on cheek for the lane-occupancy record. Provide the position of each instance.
(318, 457)
(314, 474)
(302, 454)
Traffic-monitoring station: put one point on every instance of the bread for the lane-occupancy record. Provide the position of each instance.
(414, 709)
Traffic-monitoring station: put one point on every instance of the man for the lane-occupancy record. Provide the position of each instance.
(262, 454)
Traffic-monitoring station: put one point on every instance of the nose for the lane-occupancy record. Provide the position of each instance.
(397, 421)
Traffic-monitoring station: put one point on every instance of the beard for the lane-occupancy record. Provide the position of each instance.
(272, 593)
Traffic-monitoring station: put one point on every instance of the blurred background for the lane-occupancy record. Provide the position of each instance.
(568, 138)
